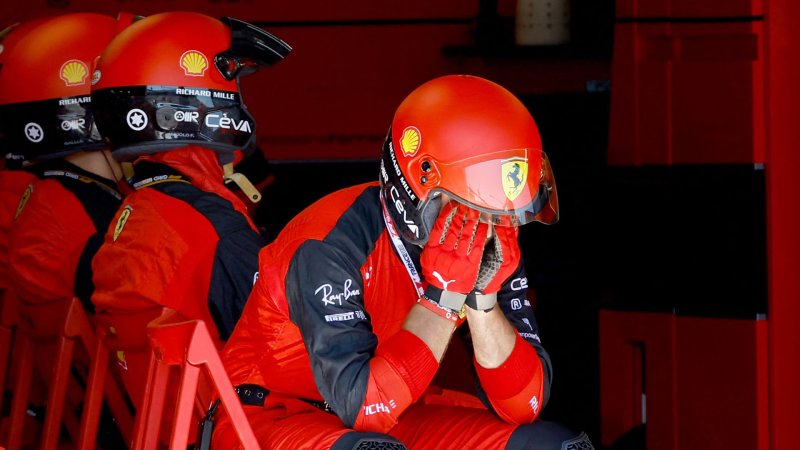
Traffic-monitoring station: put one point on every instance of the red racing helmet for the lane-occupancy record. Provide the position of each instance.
(45, 81)
(172, 79)
(474, 141)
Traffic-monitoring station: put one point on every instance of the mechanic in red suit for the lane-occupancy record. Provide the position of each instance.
(359, 296)
(167, 99)
(13, 180)
(13, 183)
(60, 220)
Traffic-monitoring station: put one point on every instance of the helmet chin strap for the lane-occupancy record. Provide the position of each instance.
(244, 184)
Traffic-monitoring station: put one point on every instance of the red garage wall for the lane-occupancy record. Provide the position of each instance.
(353, 62)
(783, 218)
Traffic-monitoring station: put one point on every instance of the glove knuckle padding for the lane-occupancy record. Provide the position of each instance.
(499, 260)
(471, 239)
(490, 264)
(453, 230)
(453, 256)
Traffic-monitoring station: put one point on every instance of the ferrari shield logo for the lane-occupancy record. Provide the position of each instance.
(515, 173)
(123, 219)
(24, 200)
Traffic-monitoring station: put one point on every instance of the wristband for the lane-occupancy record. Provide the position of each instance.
(481, 302)
(451, 300)
(457, 317)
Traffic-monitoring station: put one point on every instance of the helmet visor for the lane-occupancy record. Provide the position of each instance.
(172, 116)
(516, 199)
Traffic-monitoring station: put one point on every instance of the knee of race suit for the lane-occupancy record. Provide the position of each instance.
(543, 435)
(367, 441)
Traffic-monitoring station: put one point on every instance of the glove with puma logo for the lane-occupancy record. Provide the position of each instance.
(452, 257)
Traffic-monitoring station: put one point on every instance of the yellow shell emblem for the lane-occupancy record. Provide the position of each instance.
(74, 72)
(123, 219)
(194, 63)
(24, 200)
(410, 141)
(515, 174)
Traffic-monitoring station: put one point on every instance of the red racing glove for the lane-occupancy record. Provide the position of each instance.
(452, 257)
(499, 261)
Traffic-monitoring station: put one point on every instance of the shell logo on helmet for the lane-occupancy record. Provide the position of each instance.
(74, 72)
(515, 174)
(194, 63)
(410, 141)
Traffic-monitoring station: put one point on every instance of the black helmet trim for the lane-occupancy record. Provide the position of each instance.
(414, 219)
(48, 129)
(140, 120)
(131, 152)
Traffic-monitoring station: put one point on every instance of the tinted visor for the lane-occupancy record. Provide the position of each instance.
(172, 116)
(48, 129)
(251, 48)
(502, 179)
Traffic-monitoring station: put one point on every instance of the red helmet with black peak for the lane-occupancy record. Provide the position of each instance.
(172, 79)
(45, 81)
(474, 141)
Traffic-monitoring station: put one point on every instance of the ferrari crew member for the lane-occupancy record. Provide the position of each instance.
(60, 217)
(167, 99)
(60, 220)
(13, 180)
(359, 295)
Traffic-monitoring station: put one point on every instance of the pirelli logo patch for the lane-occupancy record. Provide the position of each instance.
(123, 219)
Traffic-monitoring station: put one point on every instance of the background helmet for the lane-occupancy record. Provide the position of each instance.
(471, 139)
(172, 79)
(45, 79)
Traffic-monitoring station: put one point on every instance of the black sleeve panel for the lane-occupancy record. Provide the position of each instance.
(233, 276)
(325, 294)
(513, 300)
(84, 284)
(236, 256)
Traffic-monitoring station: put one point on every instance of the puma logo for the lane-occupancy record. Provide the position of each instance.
(441, 280)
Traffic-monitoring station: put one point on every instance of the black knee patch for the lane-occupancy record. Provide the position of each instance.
(542, 435)
(367, 441)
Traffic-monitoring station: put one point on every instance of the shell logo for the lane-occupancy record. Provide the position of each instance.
(74, 72)
(194, 63)
(410, 141)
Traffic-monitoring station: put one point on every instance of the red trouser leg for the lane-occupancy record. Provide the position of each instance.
(283, 423)
(448, 420)
(424, 427)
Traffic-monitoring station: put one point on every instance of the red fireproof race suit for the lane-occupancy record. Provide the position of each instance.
(181, 240)
(12, 186)
(323, 324)
(60, 222)
(58, 229)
